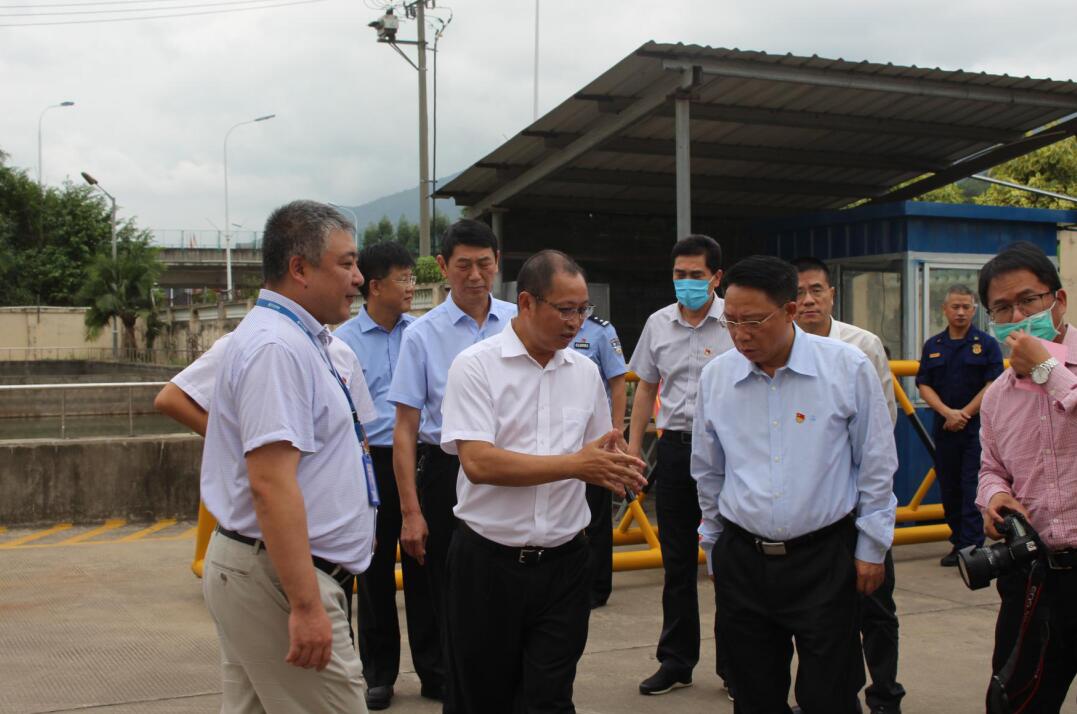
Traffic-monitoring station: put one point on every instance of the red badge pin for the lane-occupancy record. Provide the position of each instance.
(800, 418)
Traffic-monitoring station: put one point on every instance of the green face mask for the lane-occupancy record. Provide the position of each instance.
(1039, 325)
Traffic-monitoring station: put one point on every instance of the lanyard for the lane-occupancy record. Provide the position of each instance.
(360, 433)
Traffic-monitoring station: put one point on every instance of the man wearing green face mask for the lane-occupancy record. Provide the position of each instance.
(1029, 466)
(676, 343)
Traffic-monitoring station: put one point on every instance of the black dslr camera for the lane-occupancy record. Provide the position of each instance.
(1021, 546)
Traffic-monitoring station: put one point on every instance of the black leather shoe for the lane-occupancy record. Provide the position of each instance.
(379, 697)
(429, 690)
(949, 560)
(885, 709)
(664, 681)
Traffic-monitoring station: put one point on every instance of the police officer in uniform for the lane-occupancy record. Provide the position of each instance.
(956, 367)
(598, 340)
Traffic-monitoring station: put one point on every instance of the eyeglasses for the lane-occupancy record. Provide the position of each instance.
(406, 280)
(1029, 305)
(816, 291)
(567, 313)
(749, 325)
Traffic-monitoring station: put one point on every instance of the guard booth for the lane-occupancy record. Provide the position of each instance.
(892, 265)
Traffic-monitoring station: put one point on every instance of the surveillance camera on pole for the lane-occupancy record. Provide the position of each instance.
(386, 25)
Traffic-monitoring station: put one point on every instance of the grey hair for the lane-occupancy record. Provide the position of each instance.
(959, 289)
(298, 228)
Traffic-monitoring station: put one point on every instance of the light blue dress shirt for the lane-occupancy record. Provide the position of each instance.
(430, 345)
(598, 340)
(378, 352)
(788, 455)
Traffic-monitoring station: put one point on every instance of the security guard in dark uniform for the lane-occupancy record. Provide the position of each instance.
(598, 340)
(955, 368)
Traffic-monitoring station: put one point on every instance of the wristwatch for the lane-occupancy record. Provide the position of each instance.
(1042, 371)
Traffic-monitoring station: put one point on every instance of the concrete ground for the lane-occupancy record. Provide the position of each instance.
(120, 627)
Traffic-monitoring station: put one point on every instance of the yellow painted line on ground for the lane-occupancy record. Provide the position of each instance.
(58, 528)
(3, 530)
(109, 525)
(138, 535)
(189, 533)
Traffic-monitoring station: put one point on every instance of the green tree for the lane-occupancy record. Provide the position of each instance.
(427, 270)
(124, 289)
(405, 232)
(378, 232)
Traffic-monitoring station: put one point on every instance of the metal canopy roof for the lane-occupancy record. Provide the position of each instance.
(770, 135)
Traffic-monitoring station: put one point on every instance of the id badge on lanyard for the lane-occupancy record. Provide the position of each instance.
(360, 433)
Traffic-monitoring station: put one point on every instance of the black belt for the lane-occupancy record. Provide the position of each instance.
(1062, 559)
(337, 572)
(529, 555)
(782, 547)
(677, 437)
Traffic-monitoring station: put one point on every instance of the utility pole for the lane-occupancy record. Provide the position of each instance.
(534, 111)
(424, 144)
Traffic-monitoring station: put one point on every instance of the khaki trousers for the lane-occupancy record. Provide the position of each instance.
(248, 605)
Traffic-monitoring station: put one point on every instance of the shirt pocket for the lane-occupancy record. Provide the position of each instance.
(573, 428)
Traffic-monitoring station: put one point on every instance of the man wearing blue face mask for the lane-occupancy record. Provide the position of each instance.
(676, 343)
(956, 367)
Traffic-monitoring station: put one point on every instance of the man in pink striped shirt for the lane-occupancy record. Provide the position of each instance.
(1029, 464)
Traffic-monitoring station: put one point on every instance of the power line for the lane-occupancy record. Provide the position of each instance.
(132, 10)
(160, 17)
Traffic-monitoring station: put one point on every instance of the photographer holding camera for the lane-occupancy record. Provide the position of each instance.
(1029, 467)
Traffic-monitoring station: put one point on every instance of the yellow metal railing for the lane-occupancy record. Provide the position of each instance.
(635, 528)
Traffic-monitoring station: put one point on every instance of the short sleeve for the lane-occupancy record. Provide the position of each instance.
(347, 363)
(609, 352)
(642, 362)
(409, 380)
(199, 378)
(467, 412)
(275, 397)
(994, 359)
(923, 374)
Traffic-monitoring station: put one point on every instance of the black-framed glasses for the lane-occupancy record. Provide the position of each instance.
(749, 325)
(1028, 305)
(567, 313)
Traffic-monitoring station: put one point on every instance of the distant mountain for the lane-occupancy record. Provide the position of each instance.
(403, 203)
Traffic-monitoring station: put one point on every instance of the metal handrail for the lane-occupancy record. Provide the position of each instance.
(64, 388)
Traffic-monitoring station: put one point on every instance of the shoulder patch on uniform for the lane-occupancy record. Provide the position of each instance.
(599, 320)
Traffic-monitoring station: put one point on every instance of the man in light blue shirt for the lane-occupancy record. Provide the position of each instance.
(794, 456)
(598, 340)
(376, 333)
(470, 314)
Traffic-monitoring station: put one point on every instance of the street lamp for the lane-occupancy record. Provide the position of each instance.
(227, 222)
(39, 120)
(93, 182)
(355, 220)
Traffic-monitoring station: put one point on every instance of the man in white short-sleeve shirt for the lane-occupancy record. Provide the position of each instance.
(284, 471)
(531, 424)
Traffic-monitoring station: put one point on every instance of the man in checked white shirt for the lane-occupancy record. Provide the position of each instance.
(531, 424)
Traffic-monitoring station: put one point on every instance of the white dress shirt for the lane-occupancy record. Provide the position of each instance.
(786, 455)
(872, 347)
(274, 384)
(673, 352)
(199, 378)
(498, 394)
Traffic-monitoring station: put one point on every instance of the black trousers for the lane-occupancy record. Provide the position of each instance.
(765, 603)
(516, 631)
(677, 507)
(436, 483)
(600, 539)
(879, 630)
(1060, 659)
(957, 464)
(379, 627)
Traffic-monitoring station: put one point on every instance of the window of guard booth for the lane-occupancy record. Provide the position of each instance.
(870, 298)
(937, 283)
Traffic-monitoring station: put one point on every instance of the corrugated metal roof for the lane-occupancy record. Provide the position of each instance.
(771, 134)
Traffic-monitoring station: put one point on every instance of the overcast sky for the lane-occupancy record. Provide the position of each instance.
(154, 98)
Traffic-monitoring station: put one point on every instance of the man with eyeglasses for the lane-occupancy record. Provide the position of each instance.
(530, 422)
(1029, 435)
(956, 368)
(375, 334)
(598, 340)
(676, 343)
(794, 455)
(426, 476)
(878, 611)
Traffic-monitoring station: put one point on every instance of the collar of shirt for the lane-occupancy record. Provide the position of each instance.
(456, 314)
(320, 331)
(801, 359)
(367, 324)
(513, 346)
(714, 313)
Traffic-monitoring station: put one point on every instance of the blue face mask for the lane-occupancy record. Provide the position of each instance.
(1040, 325)
(693, 294)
